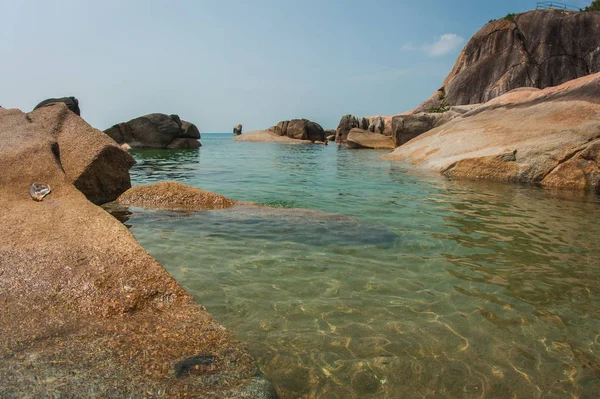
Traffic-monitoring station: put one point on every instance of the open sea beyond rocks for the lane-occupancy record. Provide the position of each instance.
(366, 280)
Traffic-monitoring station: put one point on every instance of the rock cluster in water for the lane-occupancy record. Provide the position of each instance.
(156, 131)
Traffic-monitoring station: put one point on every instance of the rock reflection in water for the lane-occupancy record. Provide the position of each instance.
(153, 165)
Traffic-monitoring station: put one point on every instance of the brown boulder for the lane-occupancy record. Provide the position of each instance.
(347, 123)
(71, 102)
(189, 130)
(299, 129)
(171, 195)
(547, 137)
(85, 310)
(358, 138)
(92, 162)
(540, 48)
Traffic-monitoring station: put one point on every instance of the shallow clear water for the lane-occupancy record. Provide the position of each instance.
(386, 284)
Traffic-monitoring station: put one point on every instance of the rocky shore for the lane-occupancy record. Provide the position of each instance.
(86, 312)
(293, 131)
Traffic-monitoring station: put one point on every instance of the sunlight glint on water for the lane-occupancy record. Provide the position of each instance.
(385, 284)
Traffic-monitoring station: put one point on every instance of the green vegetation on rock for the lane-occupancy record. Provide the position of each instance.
(595, 6)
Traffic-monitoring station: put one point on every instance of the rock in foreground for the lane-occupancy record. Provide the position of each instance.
(86, 312)
(156, 131)
(358, 138)
(549, 137)
(172, 195)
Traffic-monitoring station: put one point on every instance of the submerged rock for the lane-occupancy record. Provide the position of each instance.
(86, 311)
(155, 131)
(549, 137)
(172, 195)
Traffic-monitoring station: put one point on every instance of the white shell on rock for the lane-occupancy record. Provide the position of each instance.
(39, 190)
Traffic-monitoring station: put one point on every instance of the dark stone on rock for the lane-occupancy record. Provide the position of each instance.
(184, 143)
(237, 130)
(152, 131)
(540, 49)
(189, 130)
(196, 365)
(71, 102)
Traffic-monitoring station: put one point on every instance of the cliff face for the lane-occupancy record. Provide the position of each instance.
(541, 48)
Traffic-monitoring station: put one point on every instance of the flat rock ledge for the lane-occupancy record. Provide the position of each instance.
(263, 136)
(85, 310)
(171, 195)
(549, 137)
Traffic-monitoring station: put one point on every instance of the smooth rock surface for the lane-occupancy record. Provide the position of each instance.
(86, 312)
(171, 195)
(547, 137)
(540, 49)
(358, 139)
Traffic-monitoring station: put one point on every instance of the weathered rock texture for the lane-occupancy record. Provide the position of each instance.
(86, 312)
(299, 129)
(358, 139)
(156, 131)
(70, 102)
(172, 195)
(549, 137)
(540, 49)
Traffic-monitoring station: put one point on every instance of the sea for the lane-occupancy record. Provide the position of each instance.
(364, 278)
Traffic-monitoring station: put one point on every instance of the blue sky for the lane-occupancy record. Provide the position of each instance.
(219, 63)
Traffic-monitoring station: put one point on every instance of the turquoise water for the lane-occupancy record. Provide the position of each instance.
(366, 280)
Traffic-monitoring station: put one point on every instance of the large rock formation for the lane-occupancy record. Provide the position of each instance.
(70, 102)
(358, 139)
(156, 131)
(541, 48)
(299, 129)
(549, 137)
(86, 312)
(171, 195)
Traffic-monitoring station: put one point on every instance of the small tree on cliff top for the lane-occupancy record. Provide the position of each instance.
(595, 6)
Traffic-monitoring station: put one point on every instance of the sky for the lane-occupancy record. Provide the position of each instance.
(219, 63)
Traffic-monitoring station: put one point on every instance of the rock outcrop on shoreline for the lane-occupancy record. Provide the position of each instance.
(86, 312)
(373, 124)
(174, 196)
(540, 49)
(358, 139)
(299, 129)
(156, 131)
(549, 137)
(237, 130)
(71, 102)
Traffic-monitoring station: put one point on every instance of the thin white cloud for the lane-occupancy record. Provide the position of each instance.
(443, 45)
